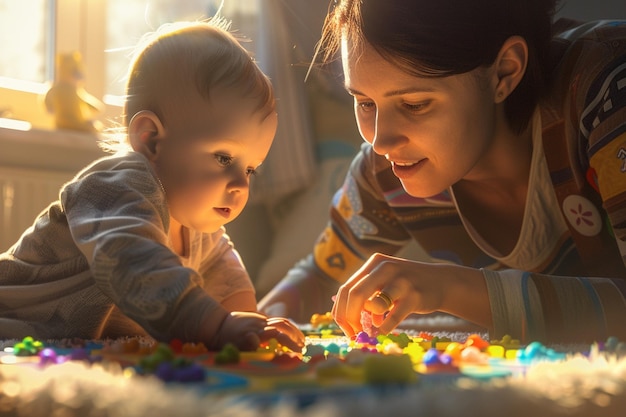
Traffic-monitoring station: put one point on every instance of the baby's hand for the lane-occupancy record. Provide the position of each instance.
(247, 330)
(285, 332)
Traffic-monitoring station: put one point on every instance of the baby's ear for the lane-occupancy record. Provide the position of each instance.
(145, 130)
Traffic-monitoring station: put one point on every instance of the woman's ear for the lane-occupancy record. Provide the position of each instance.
(510, 66)
(145, 130)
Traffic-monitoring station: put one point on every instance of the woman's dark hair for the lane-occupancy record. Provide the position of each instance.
(437, 38)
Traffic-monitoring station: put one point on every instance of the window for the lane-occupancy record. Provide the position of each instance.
(128, 20)
(105, 32)
(26, 46)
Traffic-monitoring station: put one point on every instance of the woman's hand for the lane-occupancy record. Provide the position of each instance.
(392, 288)
(247, 330)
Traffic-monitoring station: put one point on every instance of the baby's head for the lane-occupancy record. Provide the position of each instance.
(191, 57)
(202, 112)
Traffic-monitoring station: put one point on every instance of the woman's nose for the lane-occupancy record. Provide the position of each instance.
(387, 135)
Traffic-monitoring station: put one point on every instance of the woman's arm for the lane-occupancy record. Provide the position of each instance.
(410, 287)
(523, 305)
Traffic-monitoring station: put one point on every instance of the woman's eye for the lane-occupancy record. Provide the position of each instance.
(250, 171)
(416, 107)
(366, 106)
(224, 160)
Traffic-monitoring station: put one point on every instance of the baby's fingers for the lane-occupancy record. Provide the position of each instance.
(282, 338)
(287, 327)
(249, 342)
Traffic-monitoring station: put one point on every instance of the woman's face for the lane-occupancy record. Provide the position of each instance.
(433, 131)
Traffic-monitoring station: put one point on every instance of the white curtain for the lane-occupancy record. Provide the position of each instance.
(287, 33)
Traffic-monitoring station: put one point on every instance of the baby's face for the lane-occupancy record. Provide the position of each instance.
(210, 151)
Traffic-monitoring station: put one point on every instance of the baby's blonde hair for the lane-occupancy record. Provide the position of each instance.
(185, 58)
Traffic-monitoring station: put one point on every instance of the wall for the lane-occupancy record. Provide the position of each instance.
(593, 9)
(33, 166)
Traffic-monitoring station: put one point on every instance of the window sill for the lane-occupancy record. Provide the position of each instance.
(56, 150)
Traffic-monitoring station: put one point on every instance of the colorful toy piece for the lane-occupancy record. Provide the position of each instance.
(163, 353)
(180, 371)
(48, 356)
(537, 351)
(321, 320)
(27, 347)
(169, 368)
(228, 355)
(364, 338)
(388, 369)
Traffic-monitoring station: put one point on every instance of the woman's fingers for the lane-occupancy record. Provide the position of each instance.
(339, 312)
(379, 306)
(399, 312)
(381, 302)
(353, 297)
(381, 288)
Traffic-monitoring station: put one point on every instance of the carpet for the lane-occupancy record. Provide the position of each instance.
(587, 381)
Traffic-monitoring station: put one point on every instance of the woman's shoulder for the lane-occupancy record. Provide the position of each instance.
(575, 30)
(587, 46)
(585, 58)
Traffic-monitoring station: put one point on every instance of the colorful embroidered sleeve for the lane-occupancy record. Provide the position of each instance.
(361, 223)
(603, 123)
(531, 306)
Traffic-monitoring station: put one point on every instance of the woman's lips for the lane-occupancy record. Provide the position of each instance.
(405, 170)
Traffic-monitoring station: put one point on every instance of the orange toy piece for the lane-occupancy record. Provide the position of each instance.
(477, 341)
(318, 320)
(72, 106)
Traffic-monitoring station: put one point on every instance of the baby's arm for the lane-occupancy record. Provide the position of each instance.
(241, 301)
(225, 277)
(118, 218)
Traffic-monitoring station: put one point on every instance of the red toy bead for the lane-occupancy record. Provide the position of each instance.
(176, 345)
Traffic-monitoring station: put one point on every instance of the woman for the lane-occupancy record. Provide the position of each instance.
(496, 139)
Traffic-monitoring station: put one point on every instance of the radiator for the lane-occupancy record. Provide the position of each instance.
(24, 194)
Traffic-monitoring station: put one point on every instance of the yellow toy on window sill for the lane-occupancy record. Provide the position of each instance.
(72, 106)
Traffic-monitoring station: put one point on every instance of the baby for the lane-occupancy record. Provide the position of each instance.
(135, 245)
